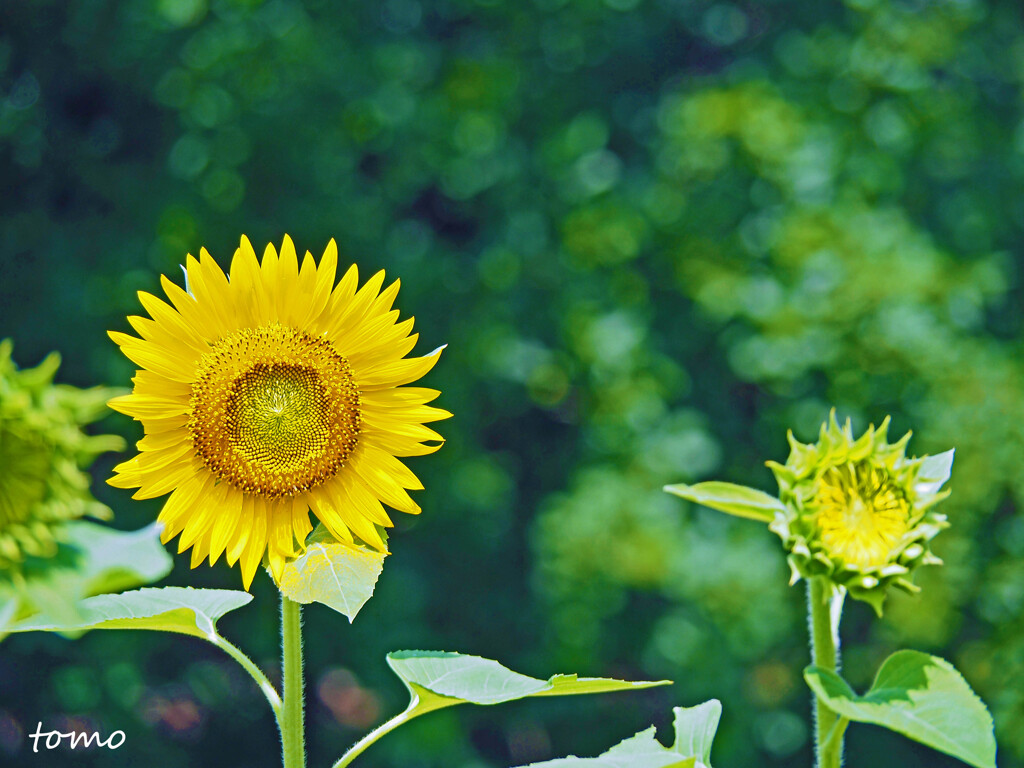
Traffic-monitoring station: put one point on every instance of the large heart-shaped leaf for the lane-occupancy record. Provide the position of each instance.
(695, 729)
(922, 697)
(170, 609)
(339, 575)
(734, 499)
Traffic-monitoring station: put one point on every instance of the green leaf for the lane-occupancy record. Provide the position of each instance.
(439, 679)
(113, 560)
(922, 697)
(170, 609)
(92, 559)
(733, 499)
(695, 729)
(8, 609)
(338, 575)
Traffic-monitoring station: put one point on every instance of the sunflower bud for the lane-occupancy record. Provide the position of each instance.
(859, 512)
(43, 452)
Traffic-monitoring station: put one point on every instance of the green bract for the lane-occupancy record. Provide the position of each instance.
(43, 452)
(857, 512)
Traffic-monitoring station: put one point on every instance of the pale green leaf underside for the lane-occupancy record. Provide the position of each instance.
(461, 678)
(97, 559)
(170, 609)
(115, 560)
(934, 472)
(921, 696)
(695, 728)
(340, 576)
(733, 499)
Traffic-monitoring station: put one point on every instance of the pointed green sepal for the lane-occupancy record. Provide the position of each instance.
(732, 499)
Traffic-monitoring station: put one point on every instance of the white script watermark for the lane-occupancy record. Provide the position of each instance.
(76, 739)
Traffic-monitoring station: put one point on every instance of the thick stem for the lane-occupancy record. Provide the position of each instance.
(293, 745)
(825, 608)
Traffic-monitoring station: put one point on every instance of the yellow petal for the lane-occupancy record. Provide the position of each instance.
(268, 270)
(301, 526)
(148, 355)
(247, 285)
(397, 373)
(147, 406)
(257, 543)
(240, 537)
(279, 534)
(227, 520)
(178, 507)
(363, 499)
(200, 549)
(167, 316)
(376, 468)
(169, 478)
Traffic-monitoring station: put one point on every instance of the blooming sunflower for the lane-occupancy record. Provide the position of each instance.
(270, 392)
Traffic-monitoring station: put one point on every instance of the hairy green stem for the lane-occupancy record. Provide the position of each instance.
(357, 749)
(416, 708)
(293, 744)
(825, 609)
(255, 672)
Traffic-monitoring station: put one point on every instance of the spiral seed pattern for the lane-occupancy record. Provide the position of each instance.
(274, 411)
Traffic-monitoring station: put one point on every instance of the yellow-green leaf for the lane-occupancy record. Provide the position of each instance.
(339, 575)
(184, 610)
(733, 499)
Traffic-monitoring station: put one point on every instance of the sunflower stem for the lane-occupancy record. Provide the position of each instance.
(825, 607)
(360, 746)
(293, 745)
(254, 671)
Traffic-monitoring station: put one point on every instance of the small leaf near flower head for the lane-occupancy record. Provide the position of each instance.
(340, 575)
(730, 498)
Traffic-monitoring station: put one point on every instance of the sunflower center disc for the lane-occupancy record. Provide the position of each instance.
(274, 411)
(862, 513)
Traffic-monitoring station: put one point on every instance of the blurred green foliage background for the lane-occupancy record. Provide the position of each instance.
(655, 235)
